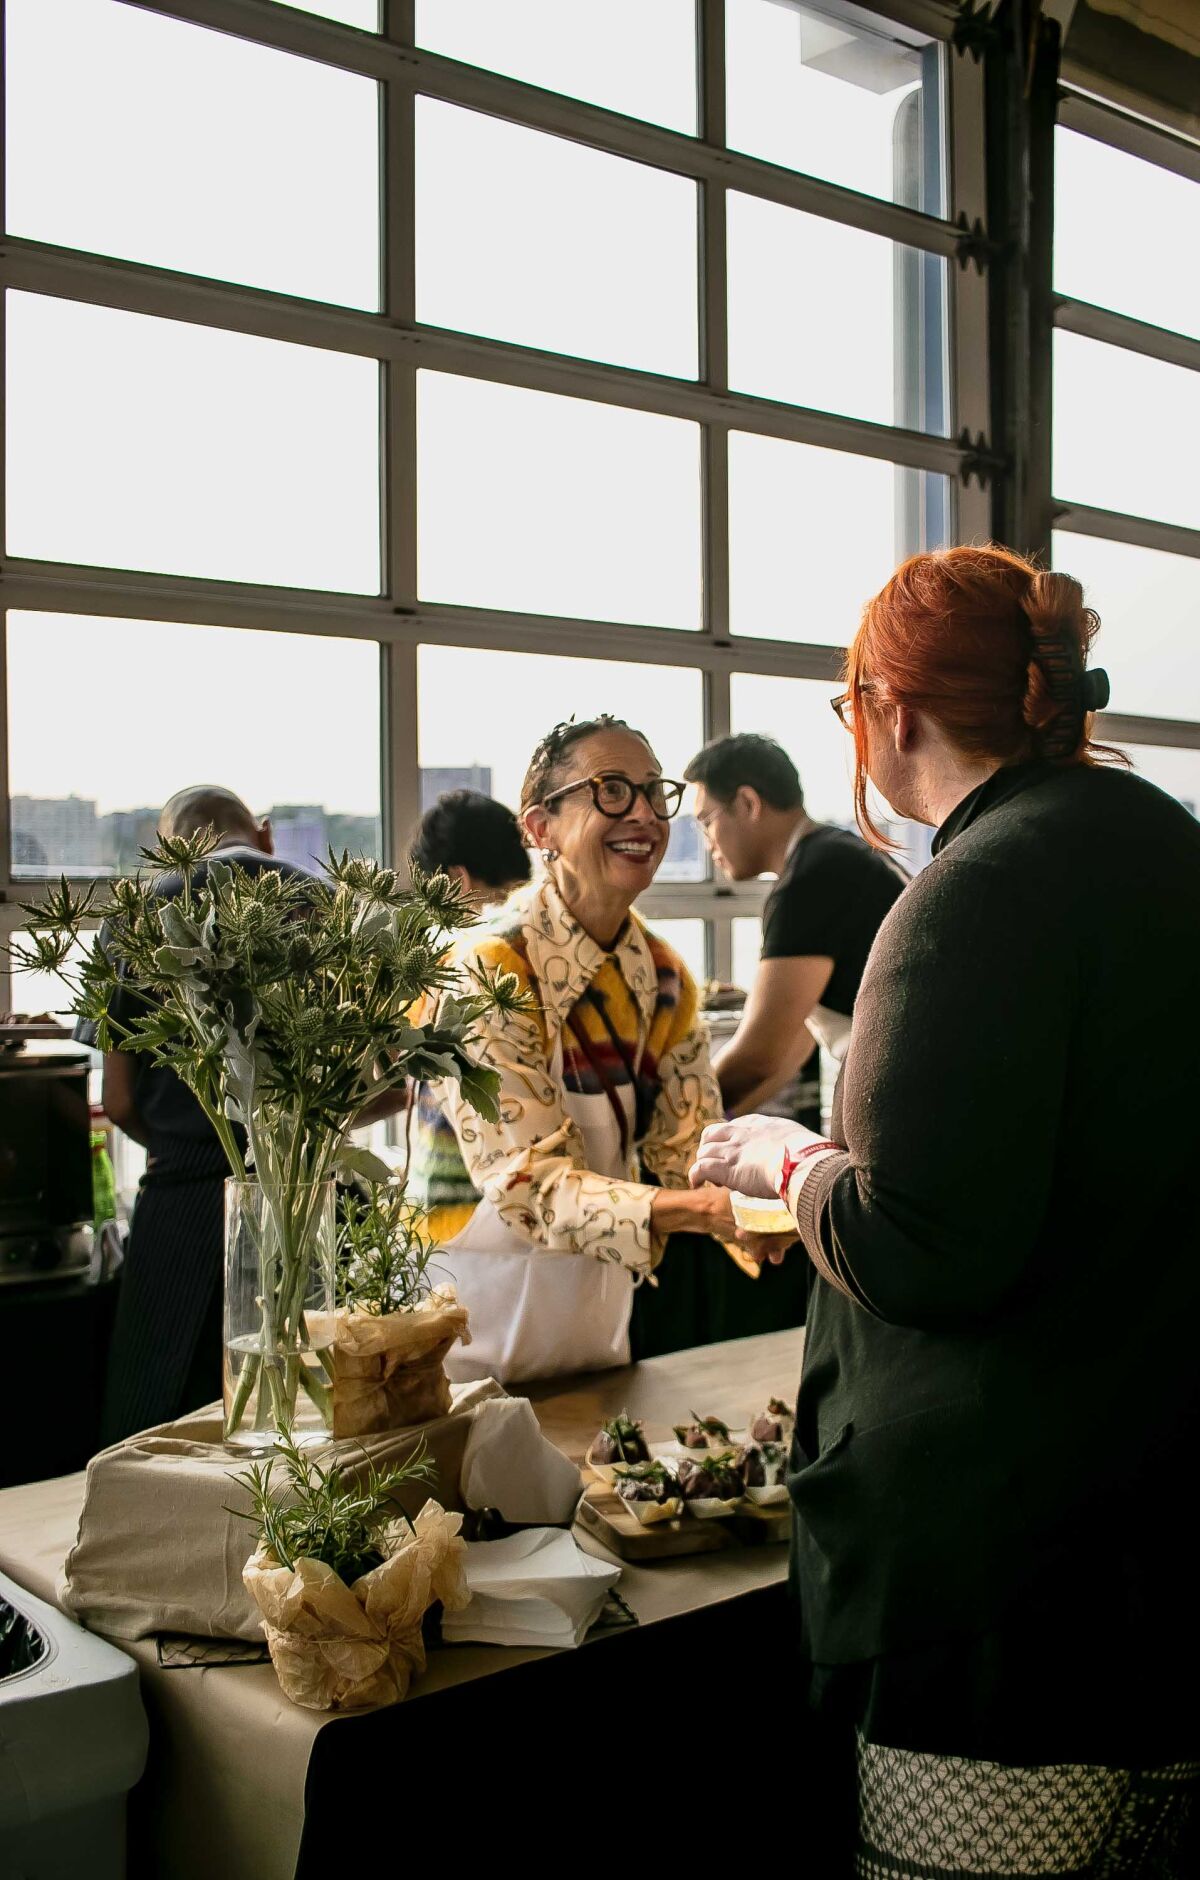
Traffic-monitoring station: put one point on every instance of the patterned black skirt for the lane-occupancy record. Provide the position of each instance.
(929, 1817)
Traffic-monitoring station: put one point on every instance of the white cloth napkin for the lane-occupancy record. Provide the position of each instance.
(510, 1466)
(536, 1588)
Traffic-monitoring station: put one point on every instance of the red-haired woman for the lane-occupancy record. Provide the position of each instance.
(996, 1439)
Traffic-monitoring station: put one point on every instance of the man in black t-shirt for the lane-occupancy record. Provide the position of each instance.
(830, 897)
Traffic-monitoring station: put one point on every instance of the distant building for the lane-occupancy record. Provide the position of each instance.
(436, 781)
(28, 855)
(64, 828)
(301, 832)
(685, 856)
(360, 835)
(124, 833)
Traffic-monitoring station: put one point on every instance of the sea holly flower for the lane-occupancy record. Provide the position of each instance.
(284, 1004)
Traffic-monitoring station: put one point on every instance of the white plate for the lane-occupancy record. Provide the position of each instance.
(648, 1512)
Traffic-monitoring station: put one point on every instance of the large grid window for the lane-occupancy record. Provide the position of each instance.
(453, 368)
(1126, 416)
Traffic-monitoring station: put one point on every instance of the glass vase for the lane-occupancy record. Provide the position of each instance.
(279, 1268)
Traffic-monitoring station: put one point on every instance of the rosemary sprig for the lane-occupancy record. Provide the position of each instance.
(383, 1257)
(323, 1517)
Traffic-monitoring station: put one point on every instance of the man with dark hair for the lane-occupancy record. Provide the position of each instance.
(830, 897)
(476, 840)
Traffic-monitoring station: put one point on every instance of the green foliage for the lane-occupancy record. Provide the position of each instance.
(285, 1004)
(628, 1435)
(322, 1517)
(726, 1474)
(657, 1472)
(383, 1258)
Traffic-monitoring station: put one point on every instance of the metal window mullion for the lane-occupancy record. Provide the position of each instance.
(1137, 136)
(285, 29)
(401, 793)
(152, 291)
(6, 884)
(109, 593)
(679, 398)
(1119, 329)
(399, 22)
(1124, 728)
(476, 626)
(165, 293)
(714, 324)
(1115, 526)
(718, 949)
(714, 312)
(684, 900)
(970, 392)
(400, 441)
(668, 901)
(702, 158)
(5, 781)
(61, 587)
(400, 727)
(392, 60)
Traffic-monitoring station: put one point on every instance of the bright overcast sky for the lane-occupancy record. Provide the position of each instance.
(152, 444)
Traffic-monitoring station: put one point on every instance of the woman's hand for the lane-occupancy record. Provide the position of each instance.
(762, 1248)
(693, 1211)
(747, 1154)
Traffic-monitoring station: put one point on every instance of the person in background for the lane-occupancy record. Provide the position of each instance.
(476, 840)
(556, 1217)
(830, 896)
(165, 1356)
(999, 1414)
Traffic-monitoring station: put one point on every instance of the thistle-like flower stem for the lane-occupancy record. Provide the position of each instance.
(241, 1395)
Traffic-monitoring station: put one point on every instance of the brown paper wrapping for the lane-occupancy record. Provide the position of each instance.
(388, 1370)
(160, 1549)
(339, 1647)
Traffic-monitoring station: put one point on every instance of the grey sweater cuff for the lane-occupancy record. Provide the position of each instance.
(807, 1214)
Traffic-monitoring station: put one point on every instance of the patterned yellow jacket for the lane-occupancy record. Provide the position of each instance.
(624, 1027)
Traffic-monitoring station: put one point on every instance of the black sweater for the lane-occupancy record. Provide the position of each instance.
(999, 1390)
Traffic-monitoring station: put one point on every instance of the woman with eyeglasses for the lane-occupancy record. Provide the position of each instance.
(994, 1469)
(553, 1217)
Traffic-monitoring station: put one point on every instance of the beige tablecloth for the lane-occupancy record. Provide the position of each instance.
(224, 1789)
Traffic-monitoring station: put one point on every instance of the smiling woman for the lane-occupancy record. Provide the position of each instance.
(605, 1081)
(605, 826)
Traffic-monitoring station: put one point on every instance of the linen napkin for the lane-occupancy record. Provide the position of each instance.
(510, 1466)
(535, 1588)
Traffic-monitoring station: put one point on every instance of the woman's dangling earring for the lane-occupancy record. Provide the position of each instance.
(549, 855)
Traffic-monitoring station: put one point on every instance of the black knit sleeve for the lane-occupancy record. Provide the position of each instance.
(951, 1100)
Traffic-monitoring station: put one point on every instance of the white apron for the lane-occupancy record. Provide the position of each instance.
(539, 1314)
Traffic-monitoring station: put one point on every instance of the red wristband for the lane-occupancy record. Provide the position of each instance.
(792, 1162)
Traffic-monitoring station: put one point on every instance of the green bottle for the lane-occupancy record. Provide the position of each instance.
(104, 1183)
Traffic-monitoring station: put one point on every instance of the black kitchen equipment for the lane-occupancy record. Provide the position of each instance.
(45, 1164)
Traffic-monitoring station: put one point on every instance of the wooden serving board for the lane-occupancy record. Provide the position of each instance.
(604, 1514)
